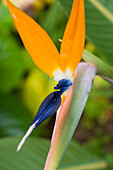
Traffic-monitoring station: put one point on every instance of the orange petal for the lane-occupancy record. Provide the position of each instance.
(74, 37)
(36, 41)
(63, 99)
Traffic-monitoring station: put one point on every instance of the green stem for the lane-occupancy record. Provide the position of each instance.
(102, 69)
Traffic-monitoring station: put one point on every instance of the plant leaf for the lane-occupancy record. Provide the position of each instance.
(14, 61)
(33, 155)
(54, 22)
(14, 117)
(70, 114)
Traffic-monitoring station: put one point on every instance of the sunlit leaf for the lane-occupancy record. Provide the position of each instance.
(34, 89)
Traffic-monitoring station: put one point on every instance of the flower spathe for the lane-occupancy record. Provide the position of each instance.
(40, 46)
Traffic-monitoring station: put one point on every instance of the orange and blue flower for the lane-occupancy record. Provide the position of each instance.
(41, 48)
(46, 56)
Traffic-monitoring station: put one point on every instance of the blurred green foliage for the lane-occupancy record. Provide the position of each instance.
(23, 86)
(32, 158)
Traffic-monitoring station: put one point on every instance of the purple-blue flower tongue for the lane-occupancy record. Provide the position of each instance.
(63, 85)
(48, 107)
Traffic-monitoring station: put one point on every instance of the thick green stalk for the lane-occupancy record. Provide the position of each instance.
(102, 69)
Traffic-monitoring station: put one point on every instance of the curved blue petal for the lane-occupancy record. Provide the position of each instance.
(63, 85)
(48, 107)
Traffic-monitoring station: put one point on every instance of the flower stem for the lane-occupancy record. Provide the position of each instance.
(102, 69)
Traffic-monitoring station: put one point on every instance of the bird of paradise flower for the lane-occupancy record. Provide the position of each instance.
(46, 56)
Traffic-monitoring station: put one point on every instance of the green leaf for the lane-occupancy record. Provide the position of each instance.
(70, 113)
(4, 14)
(34, 153)
(14, 61)
(14, 117)
(99, 25)
(10, 64)
(54, 23)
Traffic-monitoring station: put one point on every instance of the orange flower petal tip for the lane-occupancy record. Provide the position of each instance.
(42, 49)
(36, 41)
(74, 36)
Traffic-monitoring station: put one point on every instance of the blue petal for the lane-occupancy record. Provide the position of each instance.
(64, 83)
(51, 103)
(48, 107)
